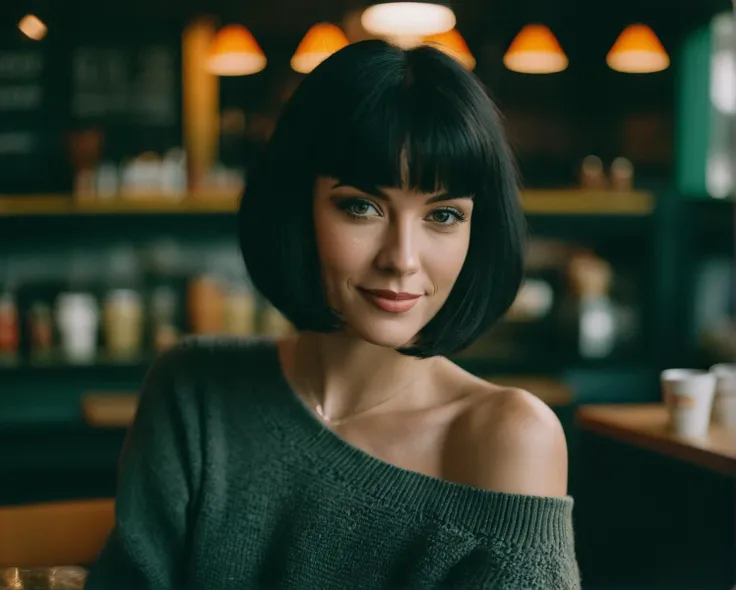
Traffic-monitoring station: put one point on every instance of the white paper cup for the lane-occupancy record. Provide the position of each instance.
(688, 395)
(724, 401)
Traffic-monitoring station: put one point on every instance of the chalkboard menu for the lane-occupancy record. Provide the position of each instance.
(29, 131)
(123, 83)
(127, 84)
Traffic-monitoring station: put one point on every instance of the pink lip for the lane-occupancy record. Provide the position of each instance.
(391, 300)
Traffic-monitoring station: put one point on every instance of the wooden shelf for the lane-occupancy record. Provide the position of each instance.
(645, 426)
(535, 202)
(140, 205)
(579, 202)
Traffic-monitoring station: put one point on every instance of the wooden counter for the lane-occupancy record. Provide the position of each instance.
(645, 426)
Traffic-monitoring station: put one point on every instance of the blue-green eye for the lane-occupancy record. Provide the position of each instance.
(447, 216)
(358, 208)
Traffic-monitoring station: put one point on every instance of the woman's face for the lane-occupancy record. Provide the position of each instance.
(389, 256)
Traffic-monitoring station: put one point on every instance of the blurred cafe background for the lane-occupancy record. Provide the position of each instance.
(126, 134)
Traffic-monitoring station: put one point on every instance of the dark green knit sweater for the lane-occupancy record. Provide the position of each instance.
(228, 481)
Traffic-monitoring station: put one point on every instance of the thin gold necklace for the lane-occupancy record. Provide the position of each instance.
(325, 417)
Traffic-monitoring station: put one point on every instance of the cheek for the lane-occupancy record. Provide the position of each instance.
(448, 262)
(341, 248)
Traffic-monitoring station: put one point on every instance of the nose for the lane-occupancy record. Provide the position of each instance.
(399, 251)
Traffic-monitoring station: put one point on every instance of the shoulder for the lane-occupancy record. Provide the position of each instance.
(516, 441)
(201, 369)
(202, 375)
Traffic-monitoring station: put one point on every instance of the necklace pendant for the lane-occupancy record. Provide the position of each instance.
(321, 412)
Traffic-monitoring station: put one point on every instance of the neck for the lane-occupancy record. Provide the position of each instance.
(347, 375)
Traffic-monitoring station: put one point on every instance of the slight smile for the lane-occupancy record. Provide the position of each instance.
(390, 301)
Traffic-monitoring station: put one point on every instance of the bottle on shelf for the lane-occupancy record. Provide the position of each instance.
(205, 305)
(40, 330)
(77, 317)
(123, 323)
(164, 332)
(9, 326)
(240, 309)
(596, 315)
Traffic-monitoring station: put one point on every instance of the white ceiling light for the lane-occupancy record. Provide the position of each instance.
(719, 181)
(407, 19)
(723, 81)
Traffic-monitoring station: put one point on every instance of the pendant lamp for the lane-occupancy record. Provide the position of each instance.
(235, 52)
(637, 51)
(535, 50)
(453, 44)
(320, 42)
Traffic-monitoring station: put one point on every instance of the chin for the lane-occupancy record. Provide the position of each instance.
(388, 334)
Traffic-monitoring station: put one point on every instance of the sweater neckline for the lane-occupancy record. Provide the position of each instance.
(481, 512)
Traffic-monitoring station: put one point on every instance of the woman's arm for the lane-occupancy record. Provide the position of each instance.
(518, 447)
(157, 486)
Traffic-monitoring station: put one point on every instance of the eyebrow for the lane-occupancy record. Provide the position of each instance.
(378, 193)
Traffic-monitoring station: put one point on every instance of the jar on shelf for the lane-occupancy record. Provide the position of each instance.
(240, 310)
(123, 323)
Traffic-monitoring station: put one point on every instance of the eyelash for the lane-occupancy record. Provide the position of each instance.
(347, 206)
(459, 216)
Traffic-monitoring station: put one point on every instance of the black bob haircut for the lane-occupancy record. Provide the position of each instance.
(354, 118)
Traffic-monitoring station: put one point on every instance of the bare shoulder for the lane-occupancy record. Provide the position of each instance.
(511, 442)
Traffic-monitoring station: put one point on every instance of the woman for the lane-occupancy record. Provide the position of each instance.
(384, 223)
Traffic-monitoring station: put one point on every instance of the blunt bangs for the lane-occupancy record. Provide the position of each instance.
(410, 131)
(374, 115)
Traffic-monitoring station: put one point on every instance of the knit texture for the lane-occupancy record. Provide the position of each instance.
(228, 481)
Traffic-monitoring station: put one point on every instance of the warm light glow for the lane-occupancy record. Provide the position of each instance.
(320, 42)
(535, 50)
(637, 51)
(235, 52)
(32, 26)
(407, 19)
(453, 44)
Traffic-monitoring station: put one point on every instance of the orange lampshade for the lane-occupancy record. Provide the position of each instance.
(235, 52)
(32, 27)
(535, 50)
(638, 51)
(453, 44)
(320, 42)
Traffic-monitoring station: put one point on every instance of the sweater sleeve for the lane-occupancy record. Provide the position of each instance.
(158, 476)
